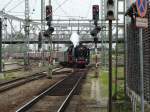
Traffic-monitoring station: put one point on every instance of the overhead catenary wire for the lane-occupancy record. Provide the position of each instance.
(66, 13)
(10, 10)
(16, 12)
(61, 8)
(8, 3)
(61, 5)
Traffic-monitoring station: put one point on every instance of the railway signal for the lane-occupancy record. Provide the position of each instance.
(95, 31)
(95, 12)
(48, 34)
(110, 15)
(49, 31)
(48, 13)
(110, 10)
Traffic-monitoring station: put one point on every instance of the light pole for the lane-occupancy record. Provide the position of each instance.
(110, 65)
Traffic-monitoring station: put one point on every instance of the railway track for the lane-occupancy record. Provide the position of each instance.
(57, 97)
(19, 81)
(13, 70)
(23, 80)
(12, 67)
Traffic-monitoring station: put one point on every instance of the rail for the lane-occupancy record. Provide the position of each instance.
(53, 90)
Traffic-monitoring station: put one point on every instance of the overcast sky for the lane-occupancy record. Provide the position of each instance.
(61, 8)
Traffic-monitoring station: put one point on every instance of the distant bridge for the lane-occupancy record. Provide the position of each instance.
(45, 41)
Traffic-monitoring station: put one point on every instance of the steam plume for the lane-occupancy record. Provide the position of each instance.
(75, 39)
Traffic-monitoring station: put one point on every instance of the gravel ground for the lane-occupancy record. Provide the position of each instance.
(13, 99)
(74, 104)
(48, 104)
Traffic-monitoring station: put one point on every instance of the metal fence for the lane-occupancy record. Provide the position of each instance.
(133, 59)
(133, 62)
(146, 47)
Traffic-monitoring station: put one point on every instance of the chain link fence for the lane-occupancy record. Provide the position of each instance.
(133, 59)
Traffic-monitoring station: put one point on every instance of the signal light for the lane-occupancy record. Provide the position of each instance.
(110, 15)
(95, 11)
(49, 31)
(48, 13)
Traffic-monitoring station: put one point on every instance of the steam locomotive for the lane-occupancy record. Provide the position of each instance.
(78, 56)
